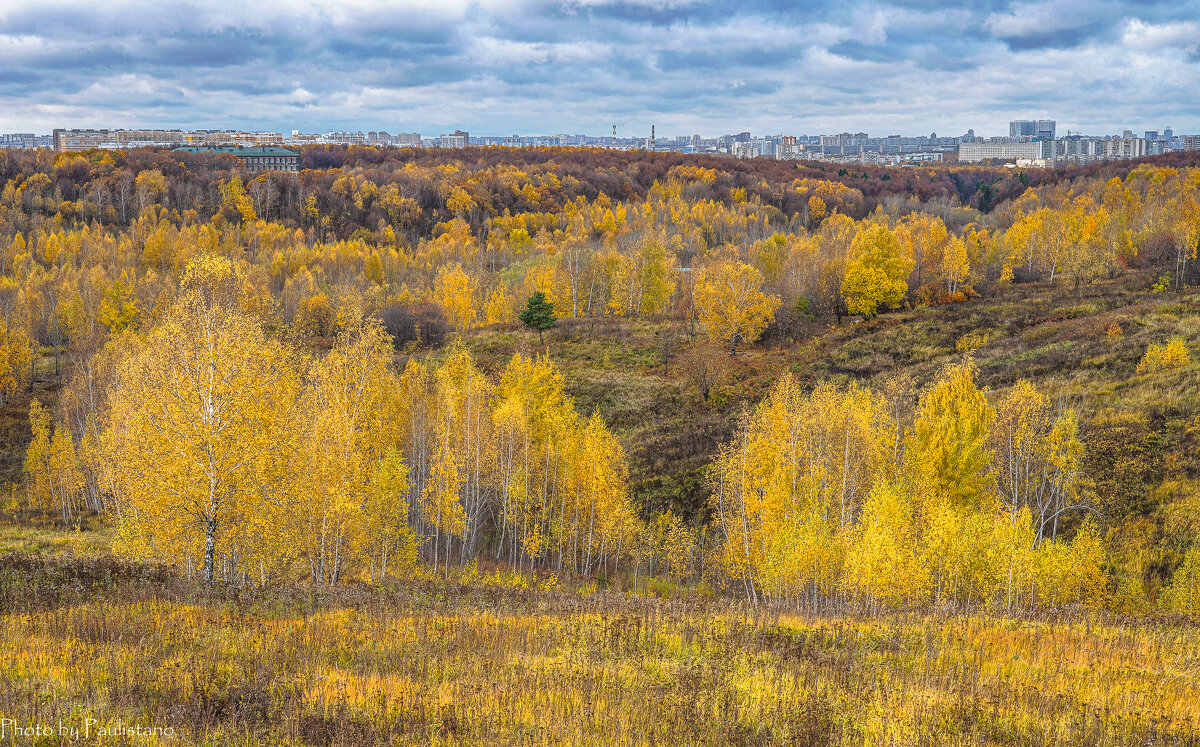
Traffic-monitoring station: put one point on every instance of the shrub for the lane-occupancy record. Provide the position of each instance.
(1162, 357)
(422, 324)
(972, 341)
(1183, 596)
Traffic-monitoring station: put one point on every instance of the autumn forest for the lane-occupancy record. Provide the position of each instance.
(761, 407)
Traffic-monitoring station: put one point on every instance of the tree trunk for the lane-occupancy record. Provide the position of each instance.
(210, 547)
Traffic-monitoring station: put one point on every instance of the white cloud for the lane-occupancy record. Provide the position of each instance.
(1150, 36)
(495, 66)
(1037, 18)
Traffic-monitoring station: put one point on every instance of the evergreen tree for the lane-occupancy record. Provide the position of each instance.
(538, 314)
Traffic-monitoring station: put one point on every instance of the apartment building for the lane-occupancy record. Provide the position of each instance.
(1134, 147)
(1001, 150)
(255, 159)
(77, 140)
(459, 139)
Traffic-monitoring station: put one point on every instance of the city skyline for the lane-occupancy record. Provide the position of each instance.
(580, 67)
(1029, 143)
(624, 134)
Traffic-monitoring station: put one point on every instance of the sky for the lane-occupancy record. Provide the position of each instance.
(497, 67)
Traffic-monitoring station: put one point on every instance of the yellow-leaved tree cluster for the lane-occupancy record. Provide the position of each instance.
(848, 493)
(230, 453)
(73, 271)
(223, 449)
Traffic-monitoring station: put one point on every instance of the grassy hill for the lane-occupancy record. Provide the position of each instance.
(1141, 430)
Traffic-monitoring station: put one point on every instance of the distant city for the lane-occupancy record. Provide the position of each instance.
(1031, 142)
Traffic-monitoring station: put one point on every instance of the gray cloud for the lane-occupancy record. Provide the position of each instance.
(538, 66)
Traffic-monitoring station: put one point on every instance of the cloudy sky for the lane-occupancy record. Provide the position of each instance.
(531, 66)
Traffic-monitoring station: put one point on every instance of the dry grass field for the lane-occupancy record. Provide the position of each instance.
(88, 642)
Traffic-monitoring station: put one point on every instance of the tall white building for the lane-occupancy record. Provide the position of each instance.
(459, 139)
(1134, 147)
(1076, 149)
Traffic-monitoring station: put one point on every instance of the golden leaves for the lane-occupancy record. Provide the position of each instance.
(730, 303)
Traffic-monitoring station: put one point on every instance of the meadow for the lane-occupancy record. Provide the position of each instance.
(88, 641)
(489, 655)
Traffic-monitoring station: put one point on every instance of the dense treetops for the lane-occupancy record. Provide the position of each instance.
(95, 243)
(147, 271)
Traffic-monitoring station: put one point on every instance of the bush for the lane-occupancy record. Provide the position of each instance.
(1183, 596)
(316, 316)
(972, 341)
(422, 324)
(1162, 357)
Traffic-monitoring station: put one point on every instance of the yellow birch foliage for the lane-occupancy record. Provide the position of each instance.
(731, 304)
(350, 495)
(875, 275)
(1035, 454)
(884, 557)
(198, 414)
(499, 308)
(391, 541)
(1158, 357)
(66, 473)
(819, 496)
(948, 438)
(1072, 572)
(38, 456)
(803, 465)
(1183, 595)
(455, 291)
(16, 356)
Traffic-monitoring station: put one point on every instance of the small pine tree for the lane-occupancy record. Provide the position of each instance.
(538, 314)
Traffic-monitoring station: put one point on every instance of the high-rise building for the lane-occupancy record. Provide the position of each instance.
(459, 139)
(1130, 147)
(1022, 128)
(1041, 129)
(345, 138)
(25, 140)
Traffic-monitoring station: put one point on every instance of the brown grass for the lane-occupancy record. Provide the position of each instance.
(429, 662)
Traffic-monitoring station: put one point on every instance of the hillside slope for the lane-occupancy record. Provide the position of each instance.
(1141, 430)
